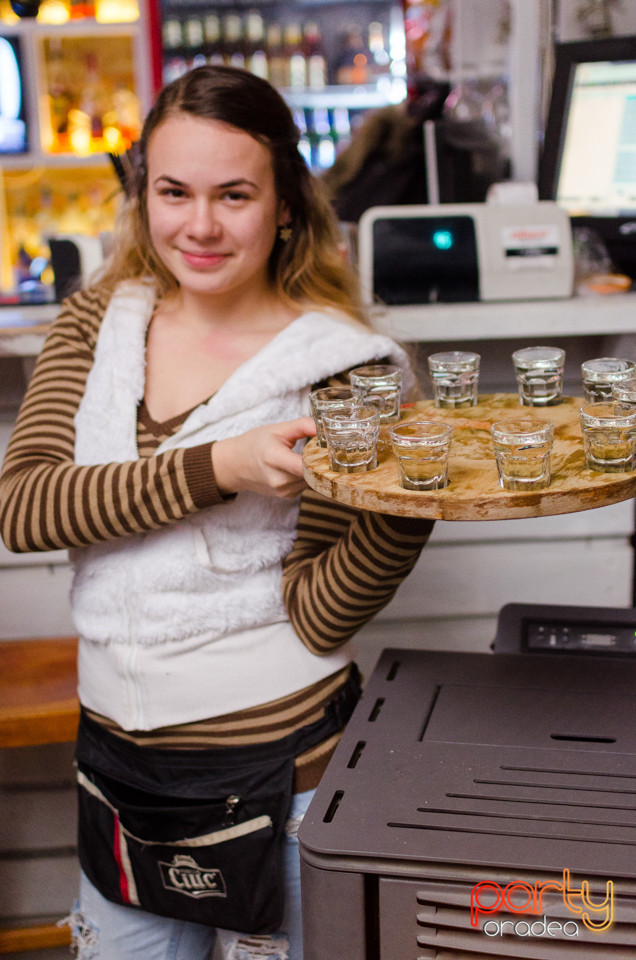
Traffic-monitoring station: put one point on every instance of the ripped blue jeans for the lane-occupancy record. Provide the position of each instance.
(107, 931)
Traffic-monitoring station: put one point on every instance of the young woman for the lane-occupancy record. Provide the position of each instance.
(213, 593)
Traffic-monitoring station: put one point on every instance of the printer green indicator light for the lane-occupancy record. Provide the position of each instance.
(443, 239)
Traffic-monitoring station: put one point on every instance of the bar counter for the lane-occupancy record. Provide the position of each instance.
(24, 327)
(579, 316)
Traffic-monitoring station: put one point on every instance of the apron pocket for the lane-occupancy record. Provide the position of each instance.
(211, 861)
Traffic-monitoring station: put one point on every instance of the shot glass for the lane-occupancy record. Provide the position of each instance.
(600, 375)
(455, 378)
(625, 391)
(609, 436)
(539, 373)
(352, 439)
(421, 450)
(522, 451)
(380, 383)
(330, 399)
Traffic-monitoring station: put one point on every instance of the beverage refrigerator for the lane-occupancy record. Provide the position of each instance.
(76, 77)
(332, 61)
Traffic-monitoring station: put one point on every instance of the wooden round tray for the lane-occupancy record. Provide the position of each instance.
(473, 492)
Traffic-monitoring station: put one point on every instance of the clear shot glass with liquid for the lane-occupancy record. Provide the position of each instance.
(539, 373)
(523, 448)
(600, 375)
(609, 436)
(422, 450)
(330, 400)
(379, 384)
(454, 378)
(352, 439)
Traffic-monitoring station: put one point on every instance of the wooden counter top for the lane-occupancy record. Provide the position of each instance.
(38, 691)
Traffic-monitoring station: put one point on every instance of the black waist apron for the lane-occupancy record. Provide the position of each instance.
(193, 834)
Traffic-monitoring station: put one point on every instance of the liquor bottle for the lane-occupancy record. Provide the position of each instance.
(325, 148)
(295, 55)
(127, 112)
(320, 138)
(256, 57)
(276, 55)
(341, 127)
(212, 29)
(233, 40)
(212, 38)
(314, 52)
(94, 97)
(254, 31)
(380, 60)
(60, 96)
(171, 33)
(304, 145)
(353, 62)
(259, 65)
(193, 32)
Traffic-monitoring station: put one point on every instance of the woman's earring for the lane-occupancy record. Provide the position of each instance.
(285, 233)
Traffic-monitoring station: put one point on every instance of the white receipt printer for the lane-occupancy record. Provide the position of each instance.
(414, 254)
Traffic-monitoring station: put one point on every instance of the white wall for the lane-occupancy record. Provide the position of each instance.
(468, 571)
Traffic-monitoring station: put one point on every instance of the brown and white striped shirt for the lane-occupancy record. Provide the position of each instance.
(344, 566)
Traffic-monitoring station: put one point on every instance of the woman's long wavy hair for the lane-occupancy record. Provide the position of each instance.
(309, 268)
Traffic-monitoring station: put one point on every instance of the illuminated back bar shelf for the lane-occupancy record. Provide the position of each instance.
(77, 81)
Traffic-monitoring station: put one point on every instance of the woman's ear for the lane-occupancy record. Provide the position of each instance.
(284, 217)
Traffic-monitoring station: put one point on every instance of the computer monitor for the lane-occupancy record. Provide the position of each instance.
(13, 127)
(588, 162)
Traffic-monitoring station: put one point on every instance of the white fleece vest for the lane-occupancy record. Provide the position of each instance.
(188, 621)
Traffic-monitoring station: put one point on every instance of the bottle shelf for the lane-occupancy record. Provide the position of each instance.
(314, 57)
(37, 158)
(362, 97)
(179, 8)
(82, 28)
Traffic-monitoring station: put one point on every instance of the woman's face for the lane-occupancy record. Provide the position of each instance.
(213, 211)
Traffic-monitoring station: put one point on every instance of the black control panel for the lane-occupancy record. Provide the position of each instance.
(546, 629)
(425, 259)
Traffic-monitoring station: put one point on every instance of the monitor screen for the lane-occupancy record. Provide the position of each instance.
(597, 173)
(589, 156)
(13, 127)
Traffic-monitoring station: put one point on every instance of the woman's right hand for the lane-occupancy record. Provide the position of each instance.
(263, 459)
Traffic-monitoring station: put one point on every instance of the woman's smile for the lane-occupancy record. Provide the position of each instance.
(203, 261)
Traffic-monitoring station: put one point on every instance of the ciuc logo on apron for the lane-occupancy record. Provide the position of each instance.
(184, 875)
